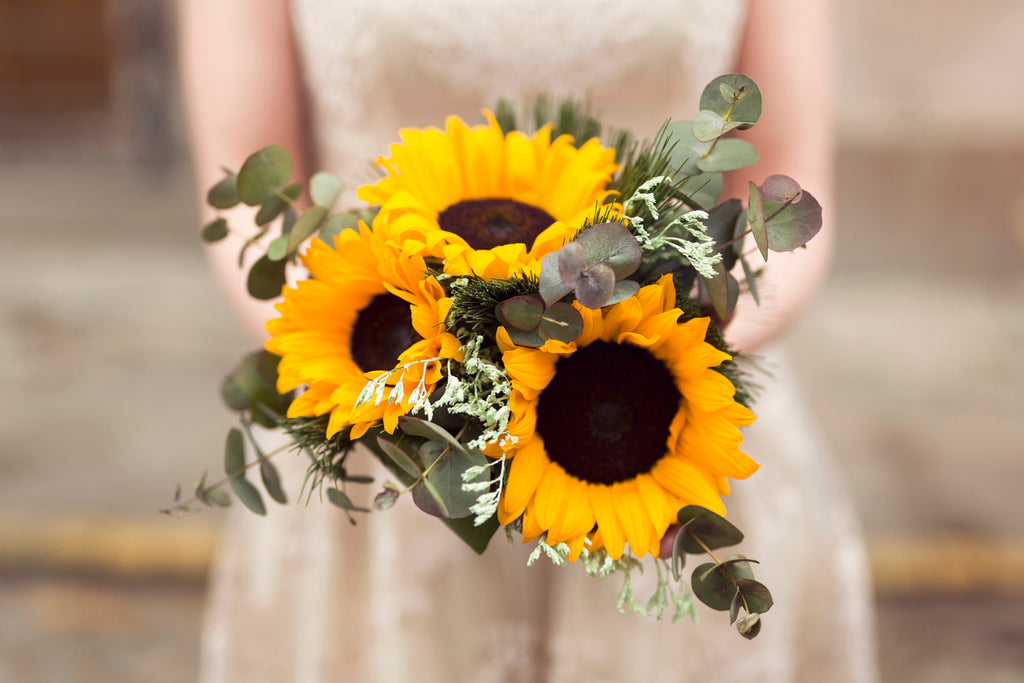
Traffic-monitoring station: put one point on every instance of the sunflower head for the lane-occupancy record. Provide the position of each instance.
(367, 312)
(477, 188)
(620, 429)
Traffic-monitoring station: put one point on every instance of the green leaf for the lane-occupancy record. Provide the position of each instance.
(572, 259)
(446, 479)
(273, 207)
(266, 279)
(414, 426)
(223, 195)
(429, 499)
(234, 453)
(215, 230)
(749, 626)
(248, 494)
(623, 290)
(324, 189)
(387, 497)
(525, 337)
(278, 248)
(305, 227)
(711, 587)
(686, 149)
(333, 226)
(755, 594)
(678, 554)
(756, 217)
(718, 291)
(561, 322)
(476, 537)
(709, 125)
(272, 482)
(549, 283)
(719, 94)
(701, 191)
(521, 312)
(218, 497)
(340, 498)
(263, 173)
(398, 456)
(790, 227)
(711, 528)
(729, 154)
(252, 384)
(724, 223)
(613, 245)
(780, 189)
(751, 279)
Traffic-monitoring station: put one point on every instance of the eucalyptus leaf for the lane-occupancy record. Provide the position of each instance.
(399, 456)
(215, 230)
(415, 426)
(549, 283)
(218, 497)
(427, 498)
(756, 217)
(623, 290)
(709, 125)
(288, 222)
(749, 626)
(701, 191)
(780, 189)
(729, 154)
(613, 245)
(266, 279)
(223, 195)
(476, 537)
(755, 594)
(561, 322)
(718, 291)
(305, 227)
(595, 286)
(272, 482)
(750, 277)
(278, 248)
(234, 453)
(678, 554)
(719, 94)
(791, 227)
(273, 207)
(446, 478)
(522, 312)
(263, 173)
(525, 337)
(686, 149)
(571, 262)
(340, 498)
(248, 494)
(721, 224)
(711, 587)
(711, 528)
(334, 224)
(387, 497)
(324, 189)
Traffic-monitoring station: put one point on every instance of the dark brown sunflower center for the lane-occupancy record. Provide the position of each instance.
(605, 416)
(488, 223)
(383, 330)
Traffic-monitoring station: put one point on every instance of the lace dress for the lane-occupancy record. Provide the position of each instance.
(304, 596)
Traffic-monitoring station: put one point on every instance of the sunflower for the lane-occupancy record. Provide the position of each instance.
(621, 428)
(475, 188)
(366, 311)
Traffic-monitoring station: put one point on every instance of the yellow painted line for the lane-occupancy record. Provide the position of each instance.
(137, 548)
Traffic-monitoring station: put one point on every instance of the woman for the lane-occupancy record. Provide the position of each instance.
(304, 596)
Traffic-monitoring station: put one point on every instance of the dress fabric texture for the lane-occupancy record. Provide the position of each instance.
(303, 595)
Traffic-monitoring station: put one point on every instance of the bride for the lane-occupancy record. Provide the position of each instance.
(304, 596)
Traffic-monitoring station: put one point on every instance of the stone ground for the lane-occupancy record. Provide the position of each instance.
(112, 342)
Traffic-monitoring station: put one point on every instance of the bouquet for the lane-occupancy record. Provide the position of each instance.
(524, 325)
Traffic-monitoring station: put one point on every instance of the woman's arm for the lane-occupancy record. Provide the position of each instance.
(788, 51)
(242, 92)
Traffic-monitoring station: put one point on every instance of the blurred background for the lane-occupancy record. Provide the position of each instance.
(112, 340)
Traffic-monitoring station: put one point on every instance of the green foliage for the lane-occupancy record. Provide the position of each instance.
(324, 189)
(224, 195)
(263, 174)
(251, 388)
(215, 230)
(266, 278)
(782, 216)
(735, 98)
(474, 303)
(277, 203)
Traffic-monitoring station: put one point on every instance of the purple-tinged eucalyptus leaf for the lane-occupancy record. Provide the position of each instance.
(549, 284)
(613, 245)
(780, 189)
(521, 312)
(571, 262)
(561, 322)
(791, 227)
(525, 337)
(595, 285)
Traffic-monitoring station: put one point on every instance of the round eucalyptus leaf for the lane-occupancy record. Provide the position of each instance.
(709, 125)
(263, 173)
(736, 92)
(399, 456)
(215, 230)
(248, 494)
(712, 587)
(526, 337)
(790, 227)
(266, 278)
(623, 290)
(780, 189)
(278, 248)
(522, 312)
(304, 228)
(549, 284)
(223, 195)
(561, 322)
(595, 286)
(273, 207)
(324, 189)
(272, 482)
(218, 497)
(756, 217)
(686, 149)
(571, 262)
(387, 497)
(613, 245)
(755, 594)
(427, 498)
(729, 154)
(446, 479)
(712, 529)
(749, 626)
